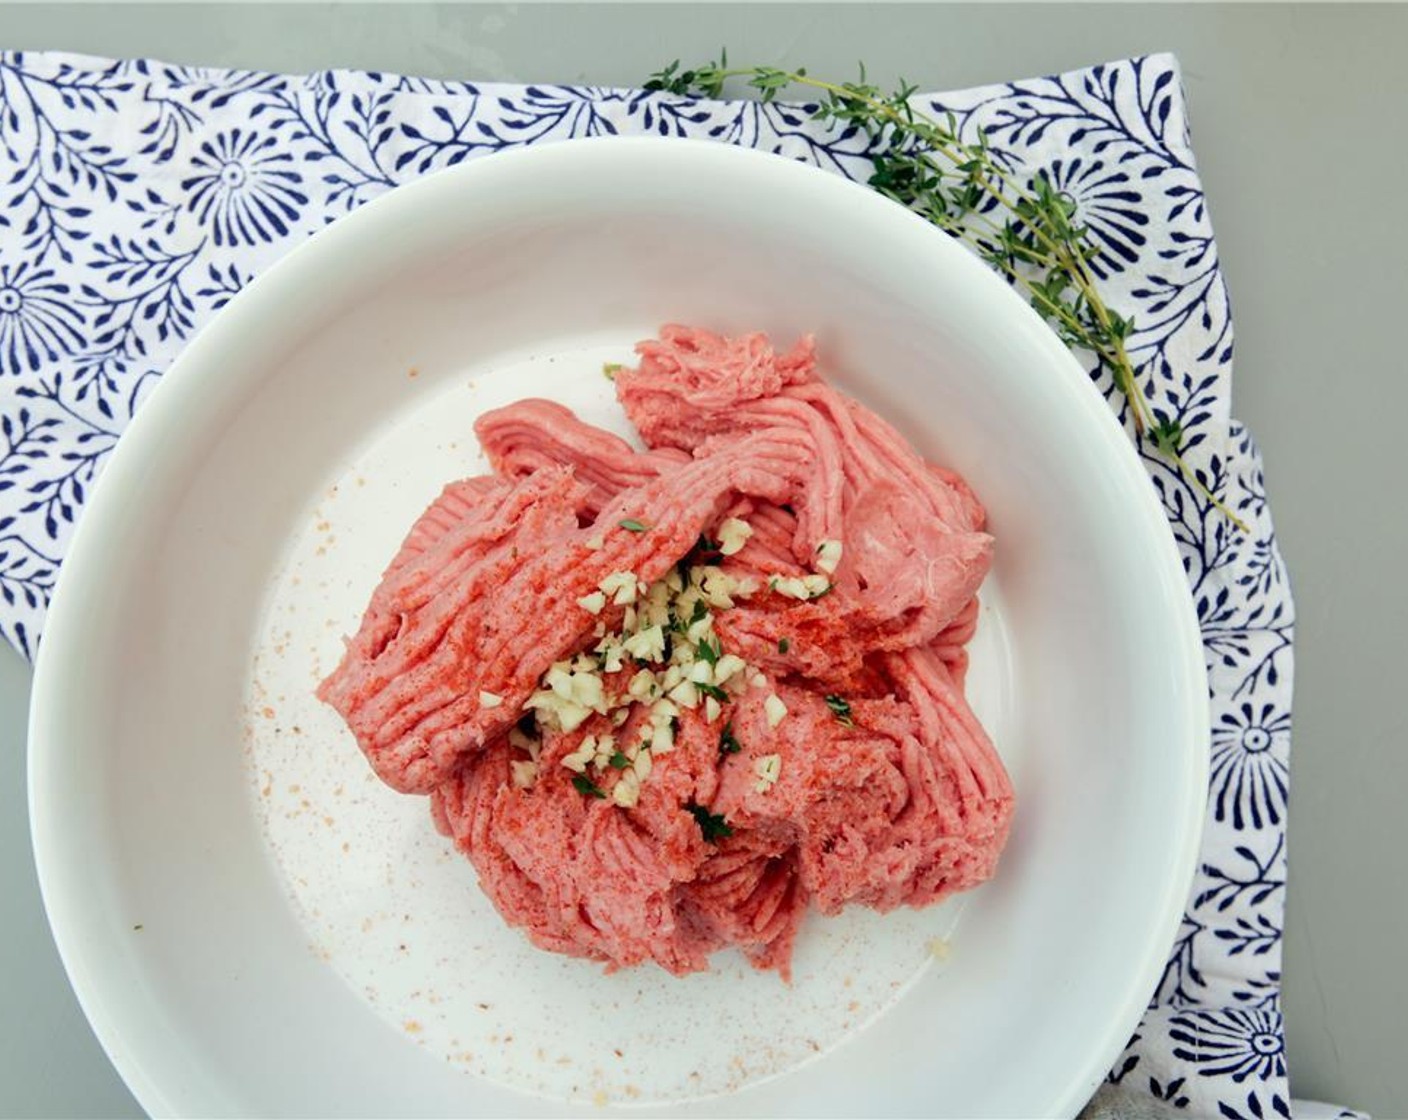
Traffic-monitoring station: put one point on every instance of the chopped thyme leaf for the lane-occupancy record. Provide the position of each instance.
(712, 825)
(841, 710)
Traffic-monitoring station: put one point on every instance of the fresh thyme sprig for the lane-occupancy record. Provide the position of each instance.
(1028, 230)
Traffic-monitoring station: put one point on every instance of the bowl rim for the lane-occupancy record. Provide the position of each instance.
(139, 450)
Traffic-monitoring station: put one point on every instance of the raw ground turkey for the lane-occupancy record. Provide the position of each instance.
(841, 764)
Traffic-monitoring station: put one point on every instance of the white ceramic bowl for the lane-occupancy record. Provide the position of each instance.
(253, 926)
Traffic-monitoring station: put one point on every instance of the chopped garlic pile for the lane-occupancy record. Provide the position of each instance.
(667, 632)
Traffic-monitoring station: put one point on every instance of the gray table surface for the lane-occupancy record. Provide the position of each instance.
(1298, 120)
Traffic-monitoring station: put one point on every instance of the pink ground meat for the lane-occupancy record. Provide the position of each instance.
(900, 800)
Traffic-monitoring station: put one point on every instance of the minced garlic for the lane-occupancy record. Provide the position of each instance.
(626, 791)
(768, 768)
(775, 709)
(800, 587)
(733, 535)
(700, 631)
(559, 679)
(685, 694)
(647, 644)
(717, 587)
(727, 667)
(587, 690)
(578, 759)
(790, 586)
(620, 586)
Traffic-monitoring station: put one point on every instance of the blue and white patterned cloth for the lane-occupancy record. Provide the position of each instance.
(137, 197)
